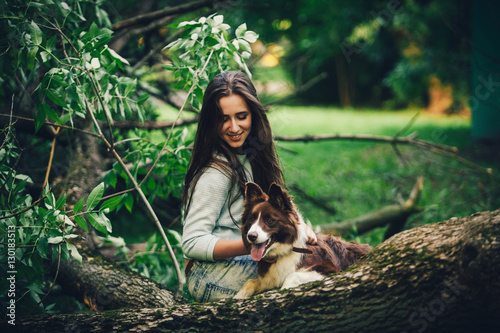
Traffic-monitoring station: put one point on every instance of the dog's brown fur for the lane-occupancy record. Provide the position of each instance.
(273, 218)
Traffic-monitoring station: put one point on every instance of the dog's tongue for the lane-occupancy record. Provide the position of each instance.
(257, 251)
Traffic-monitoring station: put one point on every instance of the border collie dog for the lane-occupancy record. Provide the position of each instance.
(275, 231)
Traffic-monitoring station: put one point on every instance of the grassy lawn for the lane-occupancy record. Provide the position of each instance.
(357, 177)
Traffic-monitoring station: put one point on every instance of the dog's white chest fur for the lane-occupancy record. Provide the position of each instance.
(283, 273)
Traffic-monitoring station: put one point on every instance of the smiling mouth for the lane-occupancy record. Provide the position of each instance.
(235, 137)
(259, 250)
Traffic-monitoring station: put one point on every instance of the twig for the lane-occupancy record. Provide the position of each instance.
(53, 281)
(318, 202)
(51, 157)
(177, 118)
(104, 109)
(52, 124)
(136, 186)
(409, 140)
(157, 49)
(24, 209)
(10, 123)
(19, 246)
(152, 125)
(408, 125)
(306, 86)
(60, 32)
(159, 13)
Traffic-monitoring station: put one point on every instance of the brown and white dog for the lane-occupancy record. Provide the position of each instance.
(276, 233)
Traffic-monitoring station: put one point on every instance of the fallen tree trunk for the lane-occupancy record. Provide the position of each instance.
(102, 285)
(394, 215)
(441, 277)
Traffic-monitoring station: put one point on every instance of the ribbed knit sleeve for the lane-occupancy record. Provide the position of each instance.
(208, 200)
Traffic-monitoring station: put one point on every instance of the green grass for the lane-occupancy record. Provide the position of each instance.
(357, 177)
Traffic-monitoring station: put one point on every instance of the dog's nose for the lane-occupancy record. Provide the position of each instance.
(252, 236)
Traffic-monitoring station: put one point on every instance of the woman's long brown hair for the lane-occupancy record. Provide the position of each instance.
(258, 147)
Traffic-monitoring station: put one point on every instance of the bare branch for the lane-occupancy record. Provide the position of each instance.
(148, 17)
(408, 140)
(302, 88)
(393, 214)
(152, 125)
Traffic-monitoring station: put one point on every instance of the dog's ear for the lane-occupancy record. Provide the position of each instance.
(253, 192)
(280, 197)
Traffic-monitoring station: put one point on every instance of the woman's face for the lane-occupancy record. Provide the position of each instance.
(237, 121)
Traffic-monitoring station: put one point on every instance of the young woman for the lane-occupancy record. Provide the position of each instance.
(233, 145)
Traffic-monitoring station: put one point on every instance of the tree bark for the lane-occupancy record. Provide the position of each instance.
(441, 277)
(102, 285)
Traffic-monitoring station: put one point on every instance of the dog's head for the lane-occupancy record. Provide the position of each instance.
(270, 222)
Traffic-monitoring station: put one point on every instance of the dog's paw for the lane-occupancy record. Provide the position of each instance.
(297, 278)
(249, 288)
(241, 295)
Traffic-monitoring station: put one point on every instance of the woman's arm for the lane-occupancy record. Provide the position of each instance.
(208, 198)
(229, 248)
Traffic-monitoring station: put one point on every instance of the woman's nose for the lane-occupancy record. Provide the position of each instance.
(234, 126)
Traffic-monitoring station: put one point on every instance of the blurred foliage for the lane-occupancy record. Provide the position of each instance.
(382, 51)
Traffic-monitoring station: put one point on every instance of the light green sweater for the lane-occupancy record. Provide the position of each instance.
(208, 218)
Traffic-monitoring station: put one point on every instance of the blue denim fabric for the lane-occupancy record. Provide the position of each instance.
(211, 281)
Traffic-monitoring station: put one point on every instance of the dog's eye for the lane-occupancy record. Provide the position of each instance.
(271, 221)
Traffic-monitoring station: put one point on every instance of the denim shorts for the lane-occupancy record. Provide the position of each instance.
(214, 280)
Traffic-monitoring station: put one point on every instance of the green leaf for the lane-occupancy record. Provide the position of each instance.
(32, 57)
(78, 206)
(240, 31)
(51, 43)
(36, 33)
(218, 19)
(55, 240)
(245, 46)
(81, 222)
(129, 202)
(61, 202)
(118, 57)
(56, 97)
(50, 200)
(143, 98)
(97, 222)
(251, 36)
(107, 222)
(211, 41)
(74, 253)
(111, 203)
(130, 87)
(42, 247)
(110, 178)
(51, 113)
(95, 196)
(39, 119)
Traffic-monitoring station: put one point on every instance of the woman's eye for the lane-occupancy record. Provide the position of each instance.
(242, 117)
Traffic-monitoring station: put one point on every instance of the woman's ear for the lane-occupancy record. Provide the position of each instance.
(253, 192)
(280, 197)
